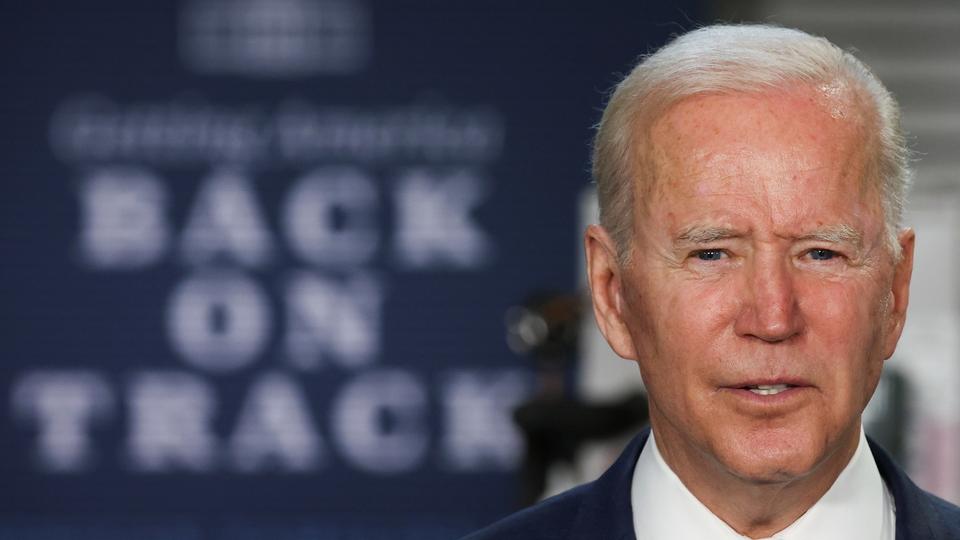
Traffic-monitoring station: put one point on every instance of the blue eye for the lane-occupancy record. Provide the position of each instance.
(710, 254)
(822, 254)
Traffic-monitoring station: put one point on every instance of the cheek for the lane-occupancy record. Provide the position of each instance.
(702, 309)
(684, 325)
(844, 323)
(845, 315)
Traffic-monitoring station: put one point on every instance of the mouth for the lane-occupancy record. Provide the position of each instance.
(772, 392)
(767, 389)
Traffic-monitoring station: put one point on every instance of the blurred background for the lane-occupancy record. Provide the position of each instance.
(301, 269)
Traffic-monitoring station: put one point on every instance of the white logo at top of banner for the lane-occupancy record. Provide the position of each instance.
(275, 38)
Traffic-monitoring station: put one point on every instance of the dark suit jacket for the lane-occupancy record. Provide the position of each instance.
(600, 510)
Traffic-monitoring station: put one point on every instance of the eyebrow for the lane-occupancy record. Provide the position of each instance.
(704, 235)
(836, 234)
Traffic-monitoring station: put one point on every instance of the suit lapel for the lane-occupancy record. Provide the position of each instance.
(915, 517)
(606, 512)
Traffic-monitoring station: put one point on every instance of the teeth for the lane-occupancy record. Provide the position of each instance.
(767, 389)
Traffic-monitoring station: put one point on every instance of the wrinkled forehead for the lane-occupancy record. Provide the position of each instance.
(795, 132)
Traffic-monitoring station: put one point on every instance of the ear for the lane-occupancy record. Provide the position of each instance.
(900, 291)
(605, 278)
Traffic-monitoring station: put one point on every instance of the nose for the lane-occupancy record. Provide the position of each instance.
(769, 310)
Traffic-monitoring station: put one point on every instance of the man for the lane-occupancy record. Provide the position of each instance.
(751, 261)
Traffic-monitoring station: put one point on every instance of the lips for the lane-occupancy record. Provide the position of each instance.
(767, 389)
(768, 396)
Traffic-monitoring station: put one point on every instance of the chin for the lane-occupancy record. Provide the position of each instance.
(768, 473)
(772, 456)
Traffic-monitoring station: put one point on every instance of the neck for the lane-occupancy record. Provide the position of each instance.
(753, 508)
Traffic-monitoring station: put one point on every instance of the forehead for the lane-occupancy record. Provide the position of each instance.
(773, 153)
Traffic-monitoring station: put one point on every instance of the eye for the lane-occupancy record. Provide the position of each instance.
(820, 254)
(709, 254)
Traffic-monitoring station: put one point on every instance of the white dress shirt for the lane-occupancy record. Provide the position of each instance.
(857, 506)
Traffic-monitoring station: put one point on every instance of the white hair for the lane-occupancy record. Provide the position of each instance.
(738, 59)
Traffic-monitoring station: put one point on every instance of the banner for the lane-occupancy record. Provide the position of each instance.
(257, 255)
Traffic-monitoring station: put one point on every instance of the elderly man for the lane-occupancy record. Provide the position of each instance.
(751, 261)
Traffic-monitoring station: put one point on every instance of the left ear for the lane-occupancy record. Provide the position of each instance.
(900, 292)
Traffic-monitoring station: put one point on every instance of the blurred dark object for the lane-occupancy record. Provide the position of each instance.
(555, 423)
(545, 326)
(555, 428)
(887, 417)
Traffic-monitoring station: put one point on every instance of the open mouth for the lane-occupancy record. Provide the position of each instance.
(767, 389)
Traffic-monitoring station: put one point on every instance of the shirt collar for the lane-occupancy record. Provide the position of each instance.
(857, 505)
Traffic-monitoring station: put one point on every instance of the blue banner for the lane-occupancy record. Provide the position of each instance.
(257, 255)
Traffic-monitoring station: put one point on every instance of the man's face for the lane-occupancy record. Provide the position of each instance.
(759, 300)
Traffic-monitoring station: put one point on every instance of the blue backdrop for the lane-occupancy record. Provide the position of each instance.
(256, 256)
